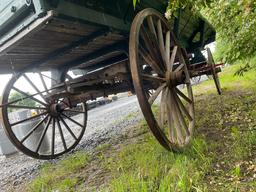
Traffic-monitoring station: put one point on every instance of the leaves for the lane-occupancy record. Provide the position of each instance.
(235, 23)
(135, 2)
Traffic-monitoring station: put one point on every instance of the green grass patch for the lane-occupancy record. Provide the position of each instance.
(221, 156)
(59, 177)
(147, 166)
(229, 81)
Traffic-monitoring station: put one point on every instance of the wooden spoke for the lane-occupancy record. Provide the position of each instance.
(43, 82)
(178, 126)
(167, 50)
(147, 58)
(148, 44)
(43, 75)
(27, 119)
(183, 108)
(153, 78)
(33, 129)
(161, 40)
(156, 93)
(171, 128)
(67, 127)
(179, 67)
(183, 95)
(26, 107)
(75, 111)
(174, 52)
(43, 134)
(151, 26)
(61, 135)
(72, 120)
(180, 116)
(163, 108)
(53, 136)
(33, 85)
(153, 47)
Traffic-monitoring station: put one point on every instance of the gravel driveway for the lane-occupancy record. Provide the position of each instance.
(104, 123)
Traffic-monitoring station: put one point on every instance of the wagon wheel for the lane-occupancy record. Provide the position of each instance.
(153, 45)
(37, 124)
(211, 64)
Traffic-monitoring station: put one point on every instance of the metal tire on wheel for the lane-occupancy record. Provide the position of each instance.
(158, 67)
(53, 129)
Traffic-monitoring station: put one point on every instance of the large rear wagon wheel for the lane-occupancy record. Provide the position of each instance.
(38, 125)
(158, 67)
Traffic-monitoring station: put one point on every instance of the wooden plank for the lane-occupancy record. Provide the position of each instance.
(31, 29)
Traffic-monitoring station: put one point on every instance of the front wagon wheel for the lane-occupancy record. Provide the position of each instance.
(158, 67)
(38, 125)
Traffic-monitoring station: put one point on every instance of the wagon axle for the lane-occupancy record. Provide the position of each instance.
(203, 68)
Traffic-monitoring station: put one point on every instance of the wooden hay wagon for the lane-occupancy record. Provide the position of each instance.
(110, 47)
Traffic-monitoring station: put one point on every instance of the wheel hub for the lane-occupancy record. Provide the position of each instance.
(175, 78)
(55, 109)
(168, 76)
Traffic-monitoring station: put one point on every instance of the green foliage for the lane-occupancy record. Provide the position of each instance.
(221, 50)
(135, 2)
(26, 102)
(195, 5)
(235, 23)
(176, 4)
(229, 81)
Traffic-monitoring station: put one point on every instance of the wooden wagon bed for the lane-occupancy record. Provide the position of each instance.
(71, 36)
(57, 43)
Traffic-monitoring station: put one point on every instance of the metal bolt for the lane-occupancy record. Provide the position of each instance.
(13, 9)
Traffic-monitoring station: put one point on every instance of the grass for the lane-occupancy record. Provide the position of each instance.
(54, 177)
(146, 166)
(221, 156)
(229, 81)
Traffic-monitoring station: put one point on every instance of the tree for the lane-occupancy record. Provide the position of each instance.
(24, 102)
(234, 20)
(235, 23)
